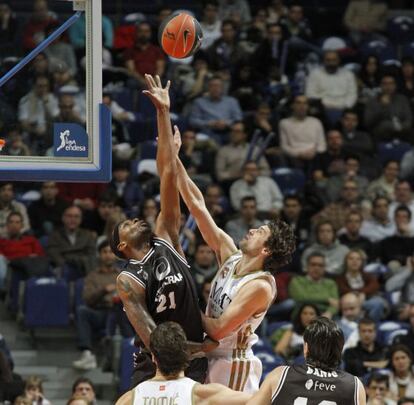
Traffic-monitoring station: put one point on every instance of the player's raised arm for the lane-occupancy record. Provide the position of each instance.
(222, 244)
(168, 222)
(133, 299)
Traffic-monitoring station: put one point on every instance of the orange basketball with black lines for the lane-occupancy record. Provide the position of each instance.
(180, 35)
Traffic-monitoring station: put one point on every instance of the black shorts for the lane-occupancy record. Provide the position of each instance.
(144, 369)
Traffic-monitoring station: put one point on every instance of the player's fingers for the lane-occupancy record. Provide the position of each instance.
(150, 81)
(147, 80)
(167, 87)
(176, 129)
(158, 81)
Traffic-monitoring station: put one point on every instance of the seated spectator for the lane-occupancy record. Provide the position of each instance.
(282, 307)
(275, 11)
(226, 52)
(327, 244)
(408, 339)
(336, 212)
(210, 23)
(334, 86)
(11, 384)
(99, 294)
(231, 157)
(407, 165)
(384, 185)
(144, 58)
(264, 189)
(293, 214)
(34, 391)
(34, 31)
(128, 191)
(388, 116)
(204, 267)
(71, 245)
(368, 355)
(407, 80)
(85, 388)
(214, 113)
(351, 235)
(402, 374)
(314, 287)
(77, 34)
(77, 400)
(261, 120)
(365, 285)
(237, 11)
(83, 195)
(59, 51)
(9, 30)
(364, 18)
(379, 226)
(301, 136)
(351, 311)
(357, 142)
(378, 390)
(20, 250)
(399, 246)
(332, 161)
(216, 204)
(15, 145)
(247, 219)
(8, 205)
(290, 340)
(369, 79)
(403, 196)
(36, 109)
(46, 213)
(95, 220)
(149, 211)
(335, 183)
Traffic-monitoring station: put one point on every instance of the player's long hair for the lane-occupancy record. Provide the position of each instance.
(168, 345)
(325, 341)
(281, 244)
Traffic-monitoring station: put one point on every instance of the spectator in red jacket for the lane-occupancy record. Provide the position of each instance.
(35, 29)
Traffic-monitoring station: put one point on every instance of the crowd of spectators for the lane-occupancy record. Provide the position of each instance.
(264, 92)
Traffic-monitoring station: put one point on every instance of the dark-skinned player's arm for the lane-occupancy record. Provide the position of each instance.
(168, 221)
(221, 243)
(133, 300)
(252, 299)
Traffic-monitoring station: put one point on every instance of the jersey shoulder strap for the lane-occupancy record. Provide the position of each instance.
(162, 242)
(282, 379)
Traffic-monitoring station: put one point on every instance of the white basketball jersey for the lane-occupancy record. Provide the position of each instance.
(177, 392)
(224, 288)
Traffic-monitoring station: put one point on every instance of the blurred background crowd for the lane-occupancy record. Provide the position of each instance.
(302, 110)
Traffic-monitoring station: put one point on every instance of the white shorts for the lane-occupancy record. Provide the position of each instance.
(239, 374)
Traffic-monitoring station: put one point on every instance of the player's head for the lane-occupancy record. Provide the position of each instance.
(129, 237)
(168, 347)
(324, 341)
(275, 242)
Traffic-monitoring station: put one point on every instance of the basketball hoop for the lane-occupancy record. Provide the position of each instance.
(2, 144)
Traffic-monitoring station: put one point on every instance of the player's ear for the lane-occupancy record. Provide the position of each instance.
(122, 246)
(266, 251)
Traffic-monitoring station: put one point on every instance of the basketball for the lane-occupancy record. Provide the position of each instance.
(180, 35)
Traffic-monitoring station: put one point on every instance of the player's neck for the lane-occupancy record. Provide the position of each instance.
(160, 377)
(139, 254)
(248, 264)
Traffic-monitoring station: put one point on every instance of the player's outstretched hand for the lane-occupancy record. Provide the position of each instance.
(158, 94)
(177, 139)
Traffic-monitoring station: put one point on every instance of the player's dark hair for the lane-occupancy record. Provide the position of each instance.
(82, 380)
(379, 378)
(168, 345)
(325, 341)
(281, 245)
(400, 348)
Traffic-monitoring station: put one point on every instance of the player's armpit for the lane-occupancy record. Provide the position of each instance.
(217, 394)
(268, 387)
(126, 399)
(253, 298)
(133, 298)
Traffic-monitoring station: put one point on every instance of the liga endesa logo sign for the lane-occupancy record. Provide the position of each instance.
(70, 140)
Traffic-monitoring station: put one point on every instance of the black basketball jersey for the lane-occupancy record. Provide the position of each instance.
(307, 385)
(170, 290)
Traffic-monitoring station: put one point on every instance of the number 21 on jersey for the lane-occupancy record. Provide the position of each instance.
(304, 401)
(167, 302)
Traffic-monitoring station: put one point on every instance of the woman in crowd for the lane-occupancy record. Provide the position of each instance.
(402, 375)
